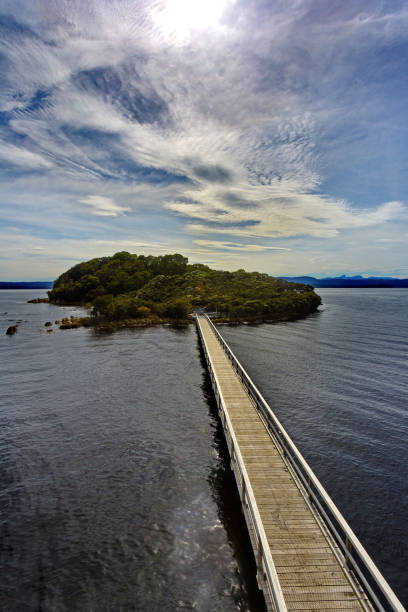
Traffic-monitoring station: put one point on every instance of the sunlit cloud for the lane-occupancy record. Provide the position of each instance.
(178, 20)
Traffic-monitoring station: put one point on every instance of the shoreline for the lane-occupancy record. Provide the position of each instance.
(101, 324)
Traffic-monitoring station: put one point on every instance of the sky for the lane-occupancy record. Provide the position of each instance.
(257, 134)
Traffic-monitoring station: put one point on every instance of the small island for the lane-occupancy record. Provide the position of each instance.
(131, 290)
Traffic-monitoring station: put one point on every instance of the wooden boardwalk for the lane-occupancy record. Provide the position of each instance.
(303, 568)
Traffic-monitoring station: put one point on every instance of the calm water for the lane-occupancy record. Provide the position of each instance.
(338, 381)
(114, 488)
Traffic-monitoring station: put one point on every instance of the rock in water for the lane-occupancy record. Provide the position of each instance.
(11, 330)
(38, 301)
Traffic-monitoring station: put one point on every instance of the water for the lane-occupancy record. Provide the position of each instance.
(338, 381)
(115, 489)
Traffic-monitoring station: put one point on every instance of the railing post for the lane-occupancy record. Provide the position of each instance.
(309, 489)
(232, 452)
(349, 550)
(259, 557)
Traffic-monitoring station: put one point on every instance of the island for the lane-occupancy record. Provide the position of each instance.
(129, 290)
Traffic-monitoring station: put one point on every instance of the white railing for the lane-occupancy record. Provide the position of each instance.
(357, 560)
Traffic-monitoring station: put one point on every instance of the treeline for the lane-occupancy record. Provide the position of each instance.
(128, 286)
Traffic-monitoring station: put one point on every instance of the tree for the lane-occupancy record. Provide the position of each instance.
(102, 305)
(177, 309)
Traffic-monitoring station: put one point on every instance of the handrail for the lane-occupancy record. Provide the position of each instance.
(346, 539)
(248, 499)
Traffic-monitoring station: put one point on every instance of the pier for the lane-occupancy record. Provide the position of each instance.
(307, 556)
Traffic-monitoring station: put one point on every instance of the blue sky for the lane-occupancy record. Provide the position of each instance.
(265, 135)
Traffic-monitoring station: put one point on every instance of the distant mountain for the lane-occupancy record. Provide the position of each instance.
(350, 281)
(27, 285)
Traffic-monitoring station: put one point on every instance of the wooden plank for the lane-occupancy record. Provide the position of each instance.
(326, 592)
(314, 579)
(279, 539)
(325, 605)
(289, 571)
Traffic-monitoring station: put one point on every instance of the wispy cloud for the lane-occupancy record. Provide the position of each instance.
(104, 207)
(20, 156)
(220, 245)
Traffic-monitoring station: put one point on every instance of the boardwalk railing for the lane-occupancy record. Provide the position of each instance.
(357, 560)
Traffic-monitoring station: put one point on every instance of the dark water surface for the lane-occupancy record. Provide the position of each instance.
(338, 381)
(115, 492)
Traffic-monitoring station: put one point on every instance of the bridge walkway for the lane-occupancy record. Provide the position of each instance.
(304, 565)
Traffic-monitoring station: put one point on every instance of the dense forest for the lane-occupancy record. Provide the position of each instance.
(131, 287)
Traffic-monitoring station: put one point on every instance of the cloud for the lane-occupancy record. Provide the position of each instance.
(103, 206)
(237, 128)
(20, 156)
(276, 210)
(213, 174)
(233, 246)
(130, 245)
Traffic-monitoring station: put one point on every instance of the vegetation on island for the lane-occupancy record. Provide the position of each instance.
(131, 289)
